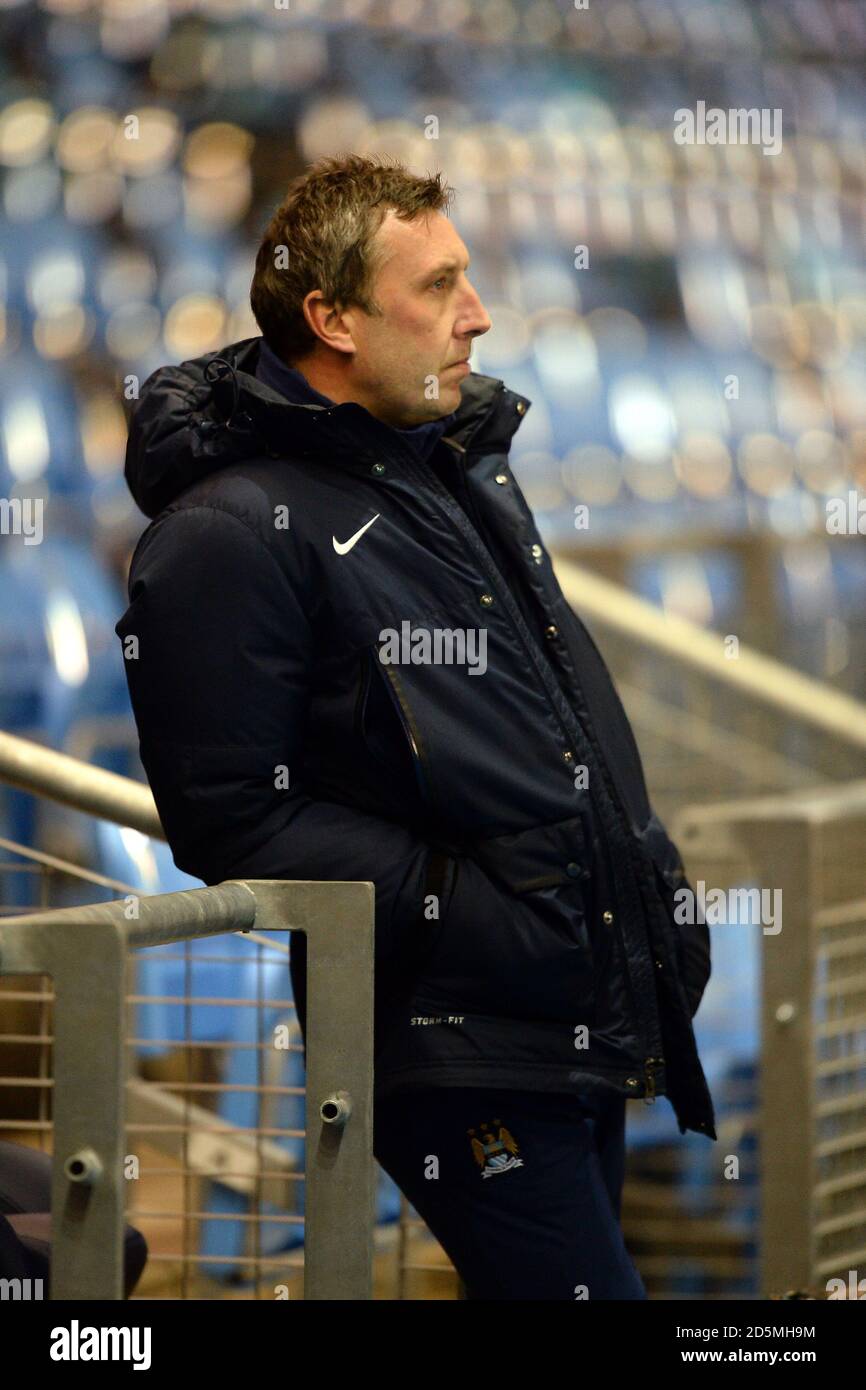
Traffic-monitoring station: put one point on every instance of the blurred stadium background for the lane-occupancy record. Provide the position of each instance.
(699, 386)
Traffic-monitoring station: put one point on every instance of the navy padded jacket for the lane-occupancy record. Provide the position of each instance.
(514, 798)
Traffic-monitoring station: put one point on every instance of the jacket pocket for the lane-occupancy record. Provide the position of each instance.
(513, 939)
(692, 937)
(384, 723)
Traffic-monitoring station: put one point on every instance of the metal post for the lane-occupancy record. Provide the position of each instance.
(784, 854)
(87, 1190)
(87, 1207)
(776, 838)
(340, 1171)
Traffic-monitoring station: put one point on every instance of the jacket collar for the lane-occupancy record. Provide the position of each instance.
(294, 386)
(486, 420)
(211, 411)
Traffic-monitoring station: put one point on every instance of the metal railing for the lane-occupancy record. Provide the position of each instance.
(47, 773)
(695, 648)
(86, 949)
(714, 719)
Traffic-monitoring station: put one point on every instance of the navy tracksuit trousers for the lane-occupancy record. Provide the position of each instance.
(521, 1189)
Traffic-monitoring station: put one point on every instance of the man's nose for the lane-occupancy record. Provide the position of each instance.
(474, 319)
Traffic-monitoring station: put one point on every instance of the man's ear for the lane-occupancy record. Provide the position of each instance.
(330, 323)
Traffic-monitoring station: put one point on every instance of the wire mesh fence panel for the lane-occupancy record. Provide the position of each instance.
(26, 1033)
(838, 1196)
(216, 1129)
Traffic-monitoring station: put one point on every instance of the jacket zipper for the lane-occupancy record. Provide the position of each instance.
(419, 761)
(363, 688)
(398, 701)
(649, 1062)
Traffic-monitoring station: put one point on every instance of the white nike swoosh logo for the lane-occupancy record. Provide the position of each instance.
(343, 547)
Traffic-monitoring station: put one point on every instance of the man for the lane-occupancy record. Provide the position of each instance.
(344, 581)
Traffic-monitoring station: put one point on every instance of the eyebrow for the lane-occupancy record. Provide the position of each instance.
(437, 270)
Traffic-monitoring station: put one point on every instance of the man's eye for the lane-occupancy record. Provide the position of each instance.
(443, 280)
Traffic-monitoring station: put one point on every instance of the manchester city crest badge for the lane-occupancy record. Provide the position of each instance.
(494, 1149)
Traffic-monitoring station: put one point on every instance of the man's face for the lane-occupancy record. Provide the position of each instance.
(404, 364)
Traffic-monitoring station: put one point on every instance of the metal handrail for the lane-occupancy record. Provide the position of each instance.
(44, 771)
(766, 681)
(65, 866)
(813, 805)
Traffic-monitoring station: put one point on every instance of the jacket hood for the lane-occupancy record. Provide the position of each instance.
(211, 411)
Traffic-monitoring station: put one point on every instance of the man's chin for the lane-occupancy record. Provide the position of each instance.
(449, 399)
(447, 403)
(426, 412)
